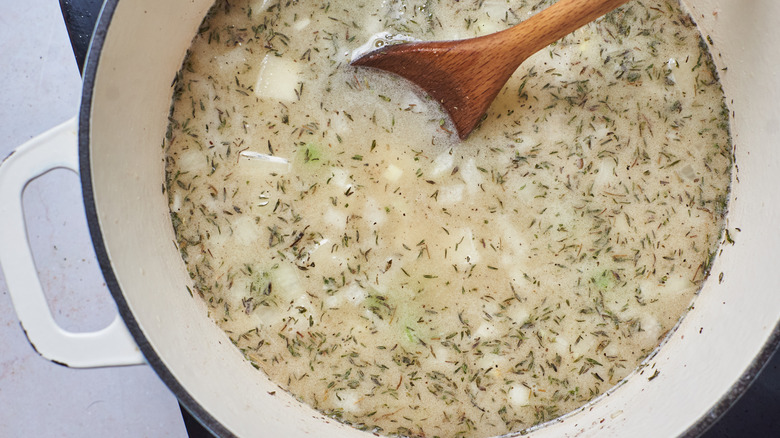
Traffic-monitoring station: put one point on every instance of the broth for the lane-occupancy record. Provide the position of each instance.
(408, 283)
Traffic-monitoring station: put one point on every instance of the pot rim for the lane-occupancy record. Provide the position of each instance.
(84, 128)
(697, 428)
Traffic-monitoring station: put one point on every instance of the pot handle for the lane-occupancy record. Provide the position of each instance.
(110, 346)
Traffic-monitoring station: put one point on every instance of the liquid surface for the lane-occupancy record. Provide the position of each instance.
(408, 283)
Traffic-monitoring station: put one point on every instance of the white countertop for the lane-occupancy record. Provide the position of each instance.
(40, 87)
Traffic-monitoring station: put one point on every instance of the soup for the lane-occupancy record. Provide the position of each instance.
(409, 283)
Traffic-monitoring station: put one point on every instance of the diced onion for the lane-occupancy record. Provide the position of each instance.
(278, 78)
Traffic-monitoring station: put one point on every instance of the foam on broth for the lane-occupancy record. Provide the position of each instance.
(406, 282)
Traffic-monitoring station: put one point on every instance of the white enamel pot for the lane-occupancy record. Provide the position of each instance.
(137, 48)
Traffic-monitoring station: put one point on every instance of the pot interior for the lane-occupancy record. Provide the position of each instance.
(139, 47)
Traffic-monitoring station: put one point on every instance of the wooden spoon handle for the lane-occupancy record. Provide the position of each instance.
(553, 23)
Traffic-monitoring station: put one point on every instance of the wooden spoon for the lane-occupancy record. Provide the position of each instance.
(465, 76)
